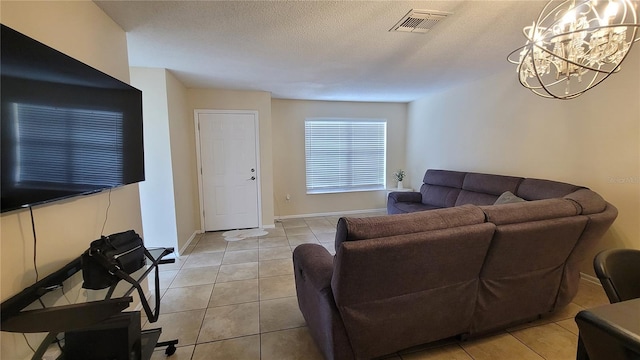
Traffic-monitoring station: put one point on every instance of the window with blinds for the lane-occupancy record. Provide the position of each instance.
(345, 155)
(65, 146)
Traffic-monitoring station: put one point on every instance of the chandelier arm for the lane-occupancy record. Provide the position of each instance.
(543, 94)
(593, 81)
(592, 84)
(542, 19)
(537, 73)
(633, 25)
(631, 8)
(529, 86)
(635, 32)
(584, 66)
(558, 19)
(544, 87)
(557, 82)
(547, 93)
(515, 51)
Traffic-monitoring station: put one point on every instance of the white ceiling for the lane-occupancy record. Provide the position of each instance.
(322, 50)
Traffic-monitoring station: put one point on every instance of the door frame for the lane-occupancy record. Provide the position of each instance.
(256, 124)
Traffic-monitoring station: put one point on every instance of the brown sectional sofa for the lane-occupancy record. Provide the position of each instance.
(464, 268)
(444, 188)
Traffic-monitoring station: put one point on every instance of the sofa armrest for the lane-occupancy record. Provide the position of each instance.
(313, 269)
(401, 197)
(405, 196)
(313, 265)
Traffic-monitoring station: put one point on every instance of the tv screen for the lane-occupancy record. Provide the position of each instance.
(67, 128)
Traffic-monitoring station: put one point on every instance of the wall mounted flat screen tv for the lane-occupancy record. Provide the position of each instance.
(67, 128)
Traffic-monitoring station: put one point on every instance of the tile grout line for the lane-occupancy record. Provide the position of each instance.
(523, 343)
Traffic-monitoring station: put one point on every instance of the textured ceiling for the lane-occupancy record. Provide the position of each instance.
(321, 50)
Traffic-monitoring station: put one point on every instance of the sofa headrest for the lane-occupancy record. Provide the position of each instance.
(527, 211)
(589, 201)
(449, 178)
(389, 225)
(537, 189)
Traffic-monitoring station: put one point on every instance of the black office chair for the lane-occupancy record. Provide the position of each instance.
(619, 273)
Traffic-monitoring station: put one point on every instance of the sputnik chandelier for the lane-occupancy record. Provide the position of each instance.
(574, 45)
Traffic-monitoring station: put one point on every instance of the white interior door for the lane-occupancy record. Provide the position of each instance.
(229, 169)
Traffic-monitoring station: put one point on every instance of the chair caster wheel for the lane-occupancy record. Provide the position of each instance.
(171, 349)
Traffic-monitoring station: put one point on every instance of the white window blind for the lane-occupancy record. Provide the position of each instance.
(345, 154)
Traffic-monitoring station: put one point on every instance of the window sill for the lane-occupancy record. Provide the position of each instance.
(342, 191)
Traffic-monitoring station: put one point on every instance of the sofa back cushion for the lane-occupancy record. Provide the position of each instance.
(523, 270)
(349, 229)
(398, 291)
(484, 189)
(446, 188)
(597, 225)
(537, 189)
(447, 178)
(440, 188)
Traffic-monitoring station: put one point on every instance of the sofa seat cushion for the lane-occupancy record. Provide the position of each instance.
(409, 207)
(475, 198)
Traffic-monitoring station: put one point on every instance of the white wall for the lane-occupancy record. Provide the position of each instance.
(289, 159)
(64, 228)
(497, 126)
(183, 161)
(169, 197)
(156, 192)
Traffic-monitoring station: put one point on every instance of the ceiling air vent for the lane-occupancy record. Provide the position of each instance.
(419, 21)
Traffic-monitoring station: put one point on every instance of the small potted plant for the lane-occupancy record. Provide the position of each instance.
(399, 176)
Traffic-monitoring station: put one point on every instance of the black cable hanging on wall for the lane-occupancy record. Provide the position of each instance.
(35, 244)
(106, 214)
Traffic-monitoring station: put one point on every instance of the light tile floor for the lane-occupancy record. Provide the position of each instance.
(237, 300)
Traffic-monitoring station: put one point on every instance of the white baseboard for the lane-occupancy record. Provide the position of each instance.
(336, 213)
(591, 279)
(186, 245)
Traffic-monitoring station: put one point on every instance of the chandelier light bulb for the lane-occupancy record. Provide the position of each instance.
(569, 17)
(612, 9)
(609, 13)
